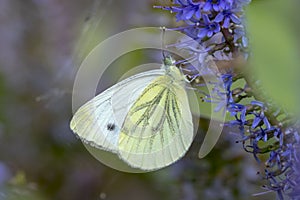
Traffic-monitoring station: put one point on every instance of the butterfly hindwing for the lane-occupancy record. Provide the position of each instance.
(158, 128)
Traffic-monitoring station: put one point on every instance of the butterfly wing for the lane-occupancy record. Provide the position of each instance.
(95, 123)
(158, 128)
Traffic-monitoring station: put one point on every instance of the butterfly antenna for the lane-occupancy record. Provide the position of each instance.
(163, 42)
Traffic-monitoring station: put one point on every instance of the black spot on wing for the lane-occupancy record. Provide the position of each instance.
(111, 126)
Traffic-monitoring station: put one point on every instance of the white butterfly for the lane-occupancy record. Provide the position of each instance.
(145, 119)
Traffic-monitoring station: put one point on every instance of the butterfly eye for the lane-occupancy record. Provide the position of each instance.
(111, 127)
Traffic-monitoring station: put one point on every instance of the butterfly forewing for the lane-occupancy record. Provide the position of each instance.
(158, 128)
(92, 127)
(98, 123)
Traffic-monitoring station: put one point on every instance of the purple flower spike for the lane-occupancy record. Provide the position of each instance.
(261, 130)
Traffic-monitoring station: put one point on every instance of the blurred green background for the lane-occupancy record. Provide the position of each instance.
(41, 45)
(273, 28)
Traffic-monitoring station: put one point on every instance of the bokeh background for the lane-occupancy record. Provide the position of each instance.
(42, 43)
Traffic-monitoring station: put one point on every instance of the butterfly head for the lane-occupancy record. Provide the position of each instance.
(171, 69)
(169, 61)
